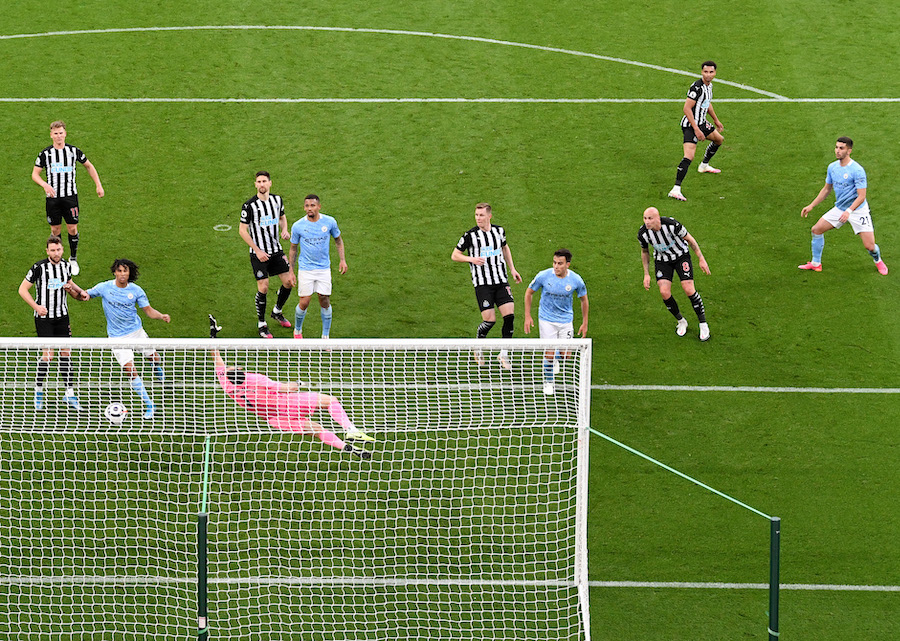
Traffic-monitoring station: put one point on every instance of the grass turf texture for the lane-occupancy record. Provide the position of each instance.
(402, 181)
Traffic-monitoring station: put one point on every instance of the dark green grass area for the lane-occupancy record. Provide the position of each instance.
(402, 180)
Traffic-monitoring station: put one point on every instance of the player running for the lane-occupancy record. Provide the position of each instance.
(284, 407)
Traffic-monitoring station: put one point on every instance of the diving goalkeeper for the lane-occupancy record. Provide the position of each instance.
(284, 407)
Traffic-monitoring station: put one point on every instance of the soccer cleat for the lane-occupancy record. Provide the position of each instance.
(73, 266)
(811, 266)
(72, 401)
(214, 327)
(361, 453)
(677, 195)
(353, 435)
(704, 332)
(278, 316)
(264, 331)
(505, 361)
(703, 168)
(681, 327)
(325, 336)
(882, 268)
(548, 388)
(298, 335)
(150, 411)
(478, 355)
(556, 366)
(38, 400)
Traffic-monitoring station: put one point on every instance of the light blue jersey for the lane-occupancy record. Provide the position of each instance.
(314, 241)
(120, 306)
(846, 180)
(556, 295)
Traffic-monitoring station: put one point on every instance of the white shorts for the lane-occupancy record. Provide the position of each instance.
(555, 330)
(314, 281)
(860, 220)
(125, 356)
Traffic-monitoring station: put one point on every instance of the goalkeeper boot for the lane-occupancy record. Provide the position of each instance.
(39, 400)
(72, 401)
(361, 453)
(279, 317)
(352, 435)
(264, 331)
(214, 327)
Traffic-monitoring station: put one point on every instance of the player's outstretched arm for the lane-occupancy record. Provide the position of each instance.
(155, 315)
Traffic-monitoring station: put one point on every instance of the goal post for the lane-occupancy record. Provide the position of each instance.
(467, 519)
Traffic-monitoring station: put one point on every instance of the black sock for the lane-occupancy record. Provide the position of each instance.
(697, 304)
(672, 306)
(710, 151)
(261, 307)
(484, 328)
(283, 294)
(73, 245)
(682, 170)
(65, 369)
(43, 368)
(509, 323)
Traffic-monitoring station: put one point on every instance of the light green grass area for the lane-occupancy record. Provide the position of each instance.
(402, 180)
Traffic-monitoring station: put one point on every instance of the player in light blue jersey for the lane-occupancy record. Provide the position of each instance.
(121, 297)
(555, 314)
(312, 235)
(847, 179)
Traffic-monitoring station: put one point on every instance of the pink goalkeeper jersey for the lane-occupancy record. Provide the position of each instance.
(259, 394)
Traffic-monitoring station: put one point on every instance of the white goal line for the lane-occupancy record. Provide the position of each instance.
(748, 388)
(436, 100)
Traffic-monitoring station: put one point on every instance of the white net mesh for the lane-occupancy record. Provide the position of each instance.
(463, 524)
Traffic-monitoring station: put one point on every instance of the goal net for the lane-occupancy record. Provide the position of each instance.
(466, 520)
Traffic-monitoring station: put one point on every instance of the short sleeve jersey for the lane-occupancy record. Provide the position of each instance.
(120, 306)
(262, 218)
(60, 167)
(488, 245)
(668, 242)
(846, 180)
(701, 94)
(48, 280)
(556, 295)
(314, 241)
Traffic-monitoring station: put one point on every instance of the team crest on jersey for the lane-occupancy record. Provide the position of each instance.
(846, 176)
(130, 296)
(568, 288)
(324, 228)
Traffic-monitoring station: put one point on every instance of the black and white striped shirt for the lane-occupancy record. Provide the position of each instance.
(48, 280)
(262, 218)
(489, 245)
(701, 94)
(60, 167)
(668, 243)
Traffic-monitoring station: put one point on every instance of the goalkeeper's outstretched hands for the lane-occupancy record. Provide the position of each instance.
(214, 327)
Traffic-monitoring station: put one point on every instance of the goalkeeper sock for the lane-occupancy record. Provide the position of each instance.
(330, 438)
(261, 308)
(548, 370)
(484, 328)
(73, 245)
(339, 415)
(283, 294)
(42, 369)
(697, 304)
(672, 306)
(876, 254)
(326, 321)
(818, 245)
(138, 386)
(508, 326)
(299, 315)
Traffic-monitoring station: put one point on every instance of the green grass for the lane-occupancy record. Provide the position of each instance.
(402, 180)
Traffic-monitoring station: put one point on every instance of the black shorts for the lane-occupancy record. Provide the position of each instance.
(65, 208)
(705, 127)
(277, 264)
(53, 327)
(683, 267)
(489, 296)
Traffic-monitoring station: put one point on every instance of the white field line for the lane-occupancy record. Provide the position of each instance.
(744, 586)
(574, 101)
(748, 388)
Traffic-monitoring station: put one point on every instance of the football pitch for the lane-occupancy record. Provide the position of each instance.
(564, 116)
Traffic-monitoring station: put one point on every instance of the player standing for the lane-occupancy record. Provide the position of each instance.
(695, 127)
(312, 235)
(51, 279)
(670, 242)
(58, 160)
(121, 298)
(848, 180)
(489, 255)
(557, 284)
(261, 218)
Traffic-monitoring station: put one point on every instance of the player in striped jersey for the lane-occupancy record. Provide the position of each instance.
(695, 127)
(671, 243)
(58, 160)
(51, 279)
(489, 255)
(261, 218)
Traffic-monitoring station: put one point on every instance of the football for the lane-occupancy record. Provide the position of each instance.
(116, 413)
